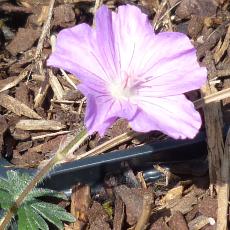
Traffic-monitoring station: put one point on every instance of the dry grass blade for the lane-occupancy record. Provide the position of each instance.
(10, 82)
(158, 20)
(68, 79)
(17, 107)
(158, 14)
(109, 144)
(66, 101)
(50, 135)
(218, 96)
(39, 125)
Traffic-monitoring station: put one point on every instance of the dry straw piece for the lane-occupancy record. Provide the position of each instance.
(39, 125)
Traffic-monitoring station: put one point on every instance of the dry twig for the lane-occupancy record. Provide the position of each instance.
(214, 124)
(216, 154)
(223, 188)
(45, 30)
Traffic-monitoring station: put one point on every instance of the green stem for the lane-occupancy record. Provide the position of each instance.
(60, 155)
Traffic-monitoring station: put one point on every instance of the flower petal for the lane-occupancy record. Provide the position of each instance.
(171, 69)
(105, 41)
(165, 46)
(98, 118)
(102, 111)
(77, 53)
(182, 76)
(130, 28)
(174, 116)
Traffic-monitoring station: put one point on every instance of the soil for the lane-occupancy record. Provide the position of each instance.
(28, 95)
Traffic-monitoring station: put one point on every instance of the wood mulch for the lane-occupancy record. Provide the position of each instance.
(40, 108)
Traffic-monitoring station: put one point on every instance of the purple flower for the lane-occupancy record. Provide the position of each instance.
(128, 71)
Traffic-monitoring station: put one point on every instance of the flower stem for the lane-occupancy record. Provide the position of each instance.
(60, 155)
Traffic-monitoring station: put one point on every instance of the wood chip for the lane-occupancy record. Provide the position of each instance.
(178, 221)
(98, 218)
(143, 219)
(185, 204)
(198, 223)
(13, 81)
(220, 52)
(172, 195)
(43, 90)
(39, 125)
(133, 200)
(17, 107)
(119, 214)
(57, 88)
(80, 203)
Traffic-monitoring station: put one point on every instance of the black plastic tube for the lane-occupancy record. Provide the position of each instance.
(93, 169)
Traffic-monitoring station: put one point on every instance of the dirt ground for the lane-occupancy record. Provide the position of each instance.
(39, 108)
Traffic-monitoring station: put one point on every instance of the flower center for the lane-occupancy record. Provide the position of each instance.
(121, 93)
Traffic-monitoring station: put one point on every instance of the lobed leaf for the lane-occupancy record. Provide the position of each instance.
(53, 213)
(33, 212)
(5, 199)
(39, 192)
(30, 219)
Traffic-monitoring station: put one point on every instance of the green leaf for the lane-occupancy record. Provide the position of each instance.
(38, 192)
(53, 213)
(29, 219)
(22, 219)
(33, 212)
(15, 182)
(25, 221)
(5, 199)
(4, 184)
